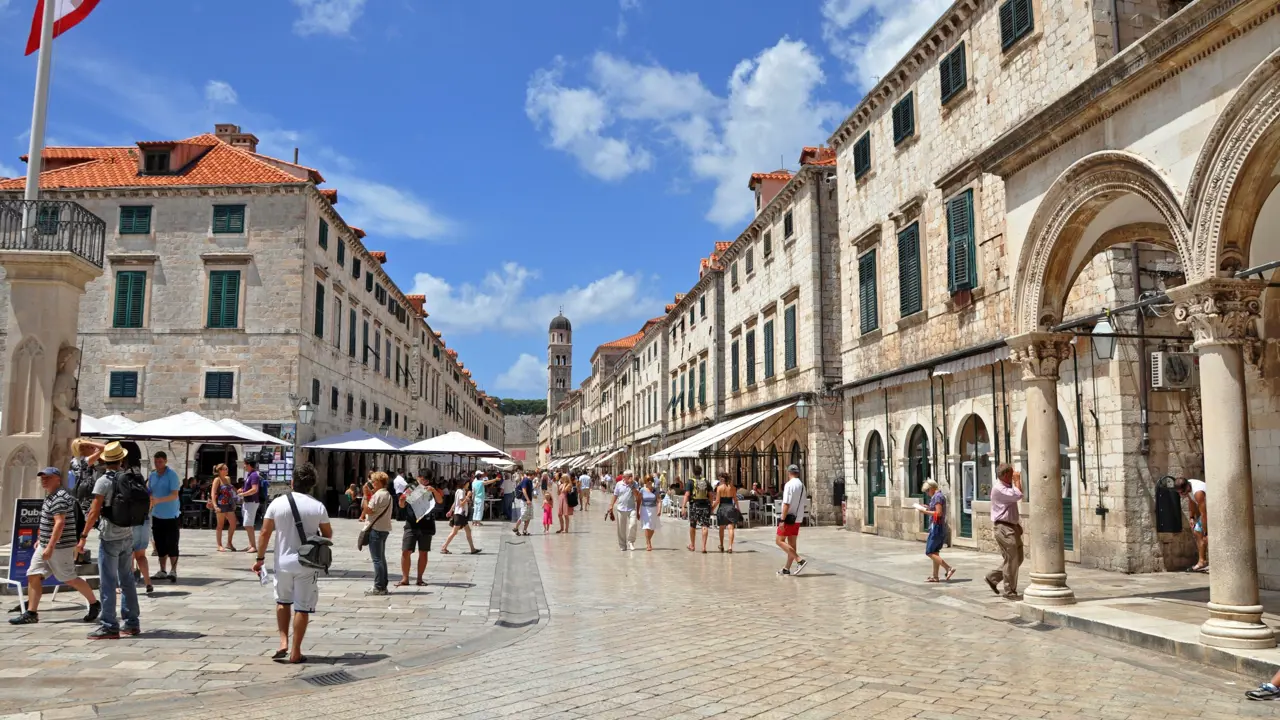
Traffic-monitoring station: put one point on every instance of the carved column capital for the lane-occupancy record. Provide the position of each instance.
(1039, 353)
(1220, 311)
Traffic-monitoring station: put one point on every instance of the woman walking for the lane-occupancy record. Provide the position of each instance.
(568, 501)
(650, 511)
(222, 500)
(460, 517)
(377, 520)
(726, 509)
(937, 511)
(477, 499)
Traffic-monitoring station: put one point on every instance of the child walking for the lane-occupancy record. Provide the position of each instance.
(546, 512)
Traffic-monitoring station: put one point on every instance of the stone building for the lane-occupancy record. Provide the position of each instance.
(521, 439)
(234, 288)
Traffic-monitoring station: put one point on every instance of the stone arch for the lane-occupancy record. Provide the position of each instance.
(25, 413)
(19, 472)
(1234, 173)
(1055, 250)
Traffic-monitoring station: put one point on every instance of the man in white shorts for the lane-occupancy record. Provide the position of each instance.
(296, 587)
(55, 551)
(584, 492)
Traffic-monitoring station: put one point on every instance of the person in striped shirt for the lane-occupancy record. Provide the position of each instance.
(55, 552)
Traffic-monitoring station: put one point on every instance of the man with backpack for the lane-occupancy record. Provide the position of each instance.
(55, 550)
(294, 520)
(121, 502)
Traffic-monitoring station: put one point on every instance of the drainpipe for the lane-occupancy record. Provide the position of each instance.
(1145, 446)
(1115, 25)
(1004, 393)
(888, 441)
(1075, 370)
(995, 416)
(933, 423)
(946, 439)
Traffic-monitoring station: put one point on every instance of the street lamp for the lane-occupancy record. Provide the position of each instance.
(1104, 342)
(305, 414)
(802, 409)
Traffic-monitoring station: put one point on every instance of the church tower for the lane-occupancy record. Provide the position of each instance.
(559, 361)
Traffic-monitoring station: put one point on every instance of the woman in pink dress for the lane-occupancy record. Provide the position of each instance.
(566, 499)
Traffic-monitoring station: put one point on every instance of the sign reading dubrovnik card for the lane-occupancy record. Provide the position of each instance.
(26, 529)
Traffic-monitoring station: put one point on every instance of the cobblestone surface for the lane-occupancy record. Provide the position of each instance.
(669, 634)
(215, 628)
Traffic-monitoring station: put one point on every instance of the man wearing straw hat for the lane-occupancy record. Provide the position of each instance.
(115, 546)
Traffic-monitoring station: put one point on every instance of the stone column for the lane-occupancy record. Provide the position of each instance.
(1040, 353)
(1222, 314)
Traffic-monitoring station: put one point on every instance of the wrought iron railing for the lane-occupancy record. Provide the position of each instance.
(52, 225)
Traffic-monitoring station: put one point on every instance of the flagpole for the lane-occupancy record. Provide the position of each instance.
(39, 112)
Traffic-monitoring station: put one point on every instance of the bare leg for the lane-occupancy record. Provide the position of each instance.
(733, 529)
(84, 589)
(422, 564)
(469, 541)
(144, 567)
(786, 548)
(300, 621)
(405, 557)
(693, 537)
(231, 532)
(720, 529)
(648, 539)
(705, 533)
(452, 534)
(221, 520)
(282, 624)
(35, 589)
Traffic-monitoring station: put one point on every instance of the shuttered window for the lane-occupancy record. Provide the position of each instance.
(324, 235)
(135, 220)
(702, 307)
(333, 400)
(751, 261)
(123, 384)
(904, 118)
(315, 392)
(228, 219)
(768, 350)
(368, 283)
(789, 333)
(342, 254)
(219, 385)
(1016, 21)
(952, 74)
(788, 225)
(734, 366)
(351, 333)
(862, 155)
(869, 318)
(319, 328)
(131, 297)
(365, 342)
(910, 300)
(702, 383)
(768, 244)
(224, 299)
(962, 270)
(355, 268)
(751, 358)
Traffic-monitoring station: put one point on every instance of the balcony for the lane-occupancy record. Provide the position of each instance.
(52, 226)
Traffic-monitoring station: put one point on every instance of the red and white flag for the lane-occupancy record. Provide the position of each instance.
(66, 15)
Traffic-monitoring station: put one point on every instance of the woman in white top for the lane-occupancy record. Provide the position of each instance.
(650, 511)
(460, 517)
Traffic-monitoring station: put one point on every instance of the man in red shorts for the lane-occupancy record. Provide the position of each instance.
(793, 507)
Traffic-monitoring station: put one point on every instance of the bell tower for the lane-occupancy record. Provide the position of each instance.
(559, 360)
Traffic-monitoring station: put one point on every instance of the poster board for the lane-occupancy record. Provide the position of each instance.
(25, 534)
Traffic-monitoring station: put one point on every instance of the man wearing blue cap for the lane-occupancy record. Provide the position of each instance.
(55, 552)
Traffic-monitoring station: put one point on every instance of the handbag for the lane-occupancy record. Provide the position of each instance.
(314, 551)
(571, 499)
(362, 539)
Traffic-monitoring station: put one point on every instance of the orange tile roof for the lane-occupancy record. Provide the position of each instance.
(670, 307)
(359, 233)
(418, 302)
(76, 153)
(218, 164)
(757, 178)
(818, 156)
(722, 245)
(378, 255)
(451, 353)
(330, 194)
(625, 343)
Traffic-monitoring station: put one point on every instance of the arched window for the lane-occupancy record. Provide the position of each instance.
(917, 460)
(875, 466)
(797, 455)
(772, 476)
(755, 466)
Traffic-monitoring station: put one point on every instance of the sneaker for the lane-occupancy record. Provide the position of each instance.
(104, 633)
(784, 571)
(631, 546)
(94, 610)
(800, 566)
(131, 630)
(376, 591)
(150, 588)
(995, 587)
(26, 618)
(162, 575)
(173, 578)
(1265, 691)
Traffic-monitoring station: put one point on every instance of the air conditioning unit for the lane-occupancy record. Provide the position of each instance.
(1174, 370)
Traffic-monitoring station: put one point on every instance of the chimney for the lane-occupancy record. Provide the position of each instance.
(231, 135)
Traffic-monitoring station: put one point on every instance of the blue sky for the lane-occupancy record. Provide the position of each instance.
(511, 156)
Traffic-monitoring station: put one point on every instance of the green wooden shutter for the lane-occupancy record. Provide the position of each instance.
(1016, 21)
(1007, 32)
(1022, 17)
(909, 293)
(962, 272)
(324, 235)
(319, 311)
(135, 220)
(342, 254)
(868, 316)
(735, 365)
(123, 384)
(131, 294)
(768, 349)
(862, 155)
(228, 219)
(224, 299)
(904, 118)
(789, 335)
(702, 384)
(952, 72)
(751, 358)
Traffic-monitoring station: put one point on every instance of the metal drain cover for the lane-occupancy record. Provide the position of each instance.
(341, 677)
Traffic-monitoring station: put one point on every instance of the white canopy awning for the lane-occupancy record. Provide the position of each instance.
(454, 443)
(119, 421)
(609, 456)
(187, 426)
(99, 427)
(258, 435)
(690, 447)
(498, 463)
(358, 441)
(973, 362)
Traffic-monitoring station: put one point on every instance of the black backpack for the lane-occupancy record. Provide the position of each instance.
(130, 499)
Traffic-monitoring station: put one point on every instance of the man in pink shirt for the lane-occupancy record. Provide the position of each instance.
(1007, 527)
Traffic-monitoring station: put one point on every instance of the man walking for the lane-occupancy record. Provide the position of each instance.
(1198, 508)
(626, 499)
(115, 556)
(793, 509)
(584, 490)
(508, 495)
(55, 552)
(1007, 526)
(250, 501)
(524, 502)
(697, 498)
(165, 484)
(297, 588)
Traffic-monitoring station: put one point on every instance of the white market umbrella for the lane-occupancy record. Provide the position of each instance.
(257, 435)
(186, 426)
(498, 463)
(454, 443)
(90, 425)
(357, 441)
(119, 422)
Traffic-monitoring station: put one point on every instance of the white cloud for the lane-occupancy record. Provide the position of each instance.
(576, 120)
(503, 301)
(768, 112)
(624, 7)
(870, 36)
(381, 209)
(526, 375)
(218, 92)
(327, 17)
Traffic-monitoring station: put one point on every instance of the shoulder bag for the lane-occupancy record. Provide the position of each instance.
(363, 538)
(314, 551)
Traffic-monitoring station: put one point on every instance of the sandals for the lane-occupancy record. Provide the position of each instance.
(475, 551)
(421, 584)
(445, 551)
(932, 580)
(280, 654)
(950, 572)
(402, 583)
(690, 548)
